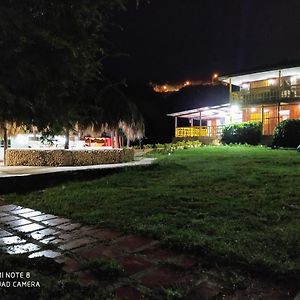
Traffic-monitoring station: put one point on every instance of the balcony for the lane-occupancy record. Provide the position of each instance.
(265, 95)
(199, 131)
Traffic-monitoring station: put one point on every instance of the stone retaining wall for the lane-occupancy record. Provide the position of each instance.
(56, 158)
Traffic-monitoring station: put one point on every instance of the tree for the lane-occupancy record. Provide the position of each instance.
(51, 52)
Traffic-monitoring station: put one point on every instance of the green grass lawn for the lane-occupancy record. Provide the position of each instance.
(239, 204)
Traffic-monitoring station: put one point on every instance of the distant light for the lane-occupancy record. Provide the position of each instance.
(187, 83)
(165, 87)
(253, 109)
(216, 76)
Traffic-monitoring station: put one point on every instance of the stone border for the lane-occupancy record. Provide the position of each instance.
(58, 157)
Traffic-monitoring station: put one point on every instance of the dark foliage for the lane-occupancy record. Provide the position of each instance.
(243, 133)
(287, 134)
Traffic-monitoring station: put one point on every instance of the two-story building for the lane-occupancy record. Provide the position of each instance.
(268, 96)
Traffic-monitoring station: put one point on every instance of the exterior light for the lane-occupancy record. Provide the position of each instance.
(271, 81)
(253, 109)
(234, 108)
(187, 83)
(215, 76)
(165, 87)
(294, 80)
(245, 86)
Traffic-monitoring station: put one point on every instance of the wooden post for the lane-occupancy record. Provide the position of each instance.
(200, 118)
(262, 118)
(112, 138)
(5, 146)
(230, 90)
(67, 138)
(279, 79)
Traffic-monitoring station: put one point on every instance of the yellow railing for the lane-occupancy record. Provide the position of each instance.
(266, 94)
(198, 131)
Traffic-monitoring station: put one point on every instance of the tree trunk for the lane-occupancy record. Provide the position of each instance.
(121, 144)
(5, 138)
(112, 139)
(67, 137)
(117, 139)
(128, 142)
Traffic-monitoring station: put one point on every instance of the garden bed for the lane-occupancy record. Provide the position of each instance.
(58, 157)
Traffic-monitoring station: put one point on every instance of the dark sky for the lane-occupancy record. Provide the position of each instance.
(176, 40)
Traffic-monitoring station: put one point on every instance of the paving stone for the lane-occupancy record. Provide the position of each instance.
(45, 253)
(41, 234)
(128, 292)
(21, 211)
(43, 217)
(55, 222)
(9, 207)
(68, 236)
(11, 240)
(133, 243)
(104, 234)
(273, 293)
(31, 214)
(99, 251)
(61, 259)
(160, 277)
(29, 228)
(47, 240)
(56, 241)
(69, 226)
(4, 233)
(20, 249)
(297, 297)
(17, 223)
(134, 264)
(86, 278)
(159, 254)
(71, 265)
(184, 261)
(206, 290)
(8, 219)
(76, 243)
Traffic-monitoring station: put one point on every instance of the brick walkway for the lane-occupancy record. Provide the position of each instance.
(149, 267)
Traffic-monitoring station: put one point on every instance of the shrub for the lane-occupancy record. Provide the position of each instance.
(54, 158)
(287, 134)
(243, 133)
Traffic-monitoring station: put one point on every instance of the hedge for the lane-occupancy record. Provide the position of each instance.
(287, 134)
(56, 158)
(243, 133)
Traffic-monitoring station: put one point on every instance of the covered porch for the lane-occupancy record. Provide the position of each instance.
(206, 121)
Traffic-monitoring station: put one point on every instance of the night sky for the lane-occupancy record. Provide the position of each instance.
(176, 40)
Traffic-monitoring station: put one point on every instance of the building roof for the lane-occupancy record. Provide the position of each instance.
(207, 112)
(238, 79)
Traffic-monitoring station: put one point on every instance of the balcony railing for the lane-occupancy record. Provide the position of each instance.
(199, 131)
(266, 95)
